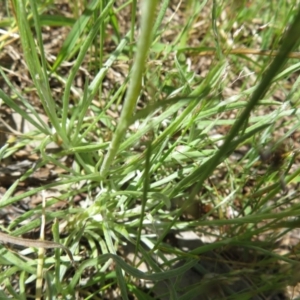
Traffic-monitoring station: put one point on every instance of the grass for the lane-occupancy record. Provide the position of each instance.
(163, 120)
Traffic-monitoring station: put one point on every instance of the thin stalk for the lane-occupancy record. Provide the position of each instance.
(148, 13)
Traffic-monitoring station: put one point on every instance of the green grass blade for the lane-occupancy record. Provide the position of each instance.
(74, 34)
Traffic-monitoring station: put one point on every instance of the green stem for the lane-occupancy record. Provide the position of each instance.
(134, 88)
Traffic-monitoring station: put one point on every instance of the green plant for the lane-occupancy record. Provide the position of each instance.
(168, 160)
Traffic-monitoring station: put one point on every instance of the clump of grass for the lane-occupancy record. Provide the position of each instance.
(163, 149)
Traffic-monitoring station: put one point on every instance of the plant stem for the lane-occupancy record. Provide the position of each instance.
(134, 88)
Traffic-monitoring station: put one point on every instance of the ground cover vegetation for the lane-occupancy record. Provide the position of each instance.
(149, 149)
